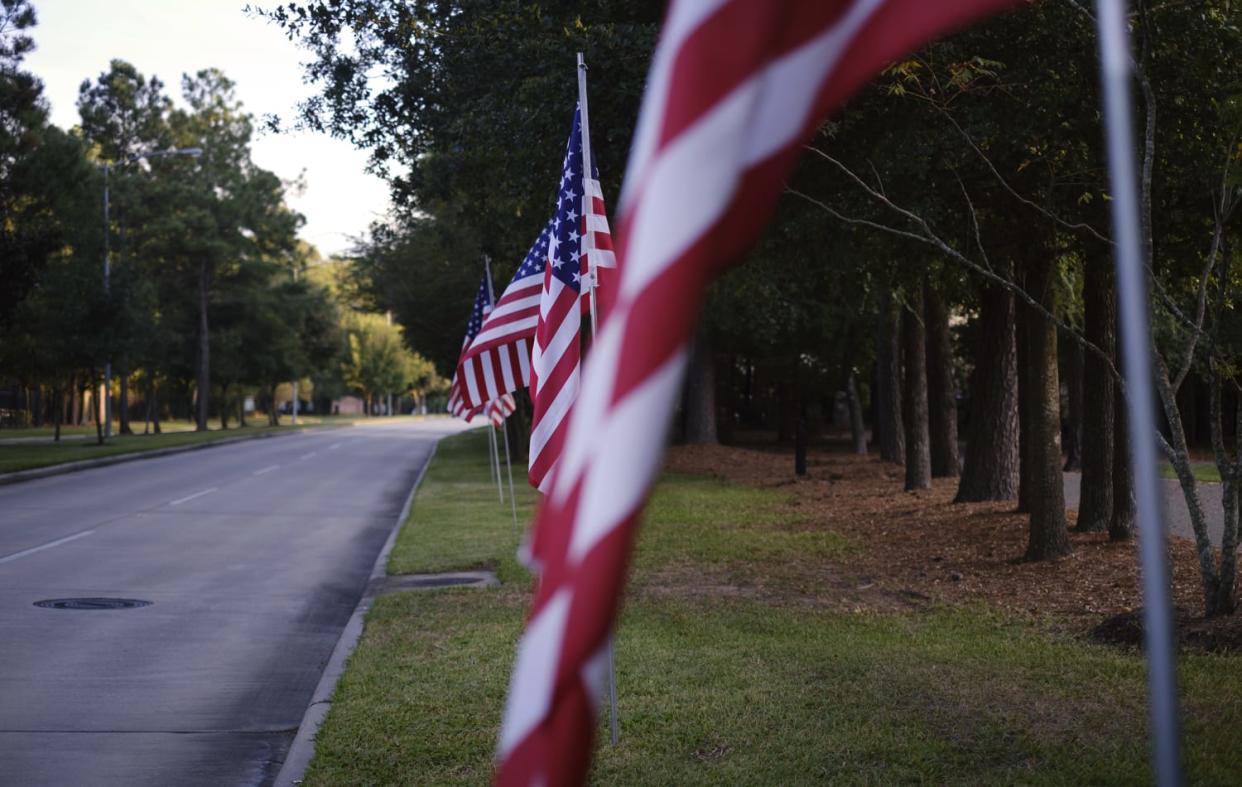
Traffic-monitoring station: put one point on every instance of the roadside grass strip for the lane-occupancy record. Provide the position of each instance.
(27, 456)
(740, 660)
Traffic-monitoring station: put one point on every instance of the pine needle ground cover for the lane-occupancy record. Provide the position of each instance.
(764, 642)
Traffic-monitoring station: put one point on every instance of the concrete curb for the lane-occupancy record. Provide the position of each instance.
(298, 758)
(87, 464)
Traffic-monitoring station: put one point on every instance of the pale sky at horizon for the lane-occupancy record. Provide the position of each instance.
(76, 39)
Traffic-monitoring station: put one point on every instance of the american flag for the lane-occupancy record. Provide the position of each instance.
(735, 88)
(501, 408)
(497, 360)
(457, 404)
(557, 353)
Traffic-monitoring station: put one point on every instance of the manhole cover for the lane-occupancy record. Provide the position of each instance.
(92, 603)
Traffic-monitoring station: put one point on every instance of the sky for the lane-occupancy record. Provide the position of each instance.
(76, 39)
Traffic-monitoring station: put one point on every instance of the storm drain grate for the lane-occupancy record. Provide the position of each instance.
(92, 603)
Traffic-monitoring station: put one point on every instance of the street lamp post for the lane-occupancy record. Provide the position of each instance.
(107, 277)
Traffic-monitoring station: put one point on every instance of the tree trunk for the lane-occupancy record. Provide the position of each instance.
(123, 400)
(1073, 427)
(990, 469)
(1026, 438)
(889, 428)
(146, 416)
(941, 389)
(700, 395)
(914, 400)
(273, 415)
(204, 351)
(95, 397)
(1048, 537)
(1095, 501)
(1121, 523)
(224, 407)
(858, 430)
(75, 403)
(155, 407)
(58, 396)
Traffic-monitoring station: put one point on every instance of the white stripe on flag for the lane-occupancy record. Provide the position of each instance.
(640, 422)
(533, 672)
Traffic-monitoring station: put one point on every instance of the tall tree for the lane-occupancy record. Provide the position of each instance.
(941, 387)
(914, 395)
(888, 381)
(990, 469)
(1095, 503)
(1048, 537)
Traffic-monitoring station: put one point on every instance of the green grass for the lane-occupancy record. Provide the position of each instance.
(727, 677)
(1203, 471)
(25, 456)
(456, 521)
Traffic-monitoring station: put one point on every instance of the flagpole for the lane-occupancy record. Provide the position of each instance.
(495, 444)
(1116, 74)
(512, 497)
(592, 280)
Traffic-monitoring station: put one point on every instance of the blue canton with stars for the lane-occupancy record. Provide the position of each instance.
(566, 244)
(537, 257)
(482, 303)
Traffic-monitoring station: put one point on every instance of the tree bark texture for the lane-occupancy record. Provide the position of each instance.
(95, 397)
(858, 430)
(990, 469)
(1022, 337)
(700, 395)
(914, 400)
(888, 422)
(1121, 522)
(204, 352)
(941, 388)
(123, 400)
(58, 411)
(1048, 537)
(1074, 361)
(1095, 502)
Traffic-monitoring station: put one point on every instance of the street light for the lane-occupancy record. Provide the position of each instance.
(107, 169)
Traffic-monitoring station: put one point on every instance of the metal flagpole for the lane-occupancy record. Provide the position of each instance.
(500, 484)
(592, 280)
(1116, 73)
(512, 497)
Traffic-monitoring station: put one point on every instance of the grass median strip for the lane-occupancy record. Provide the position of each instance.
(27, 456)
(744, 656)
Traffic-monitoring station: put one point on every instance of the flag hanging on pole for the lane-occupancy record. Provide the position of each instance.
(557, 352)
(457, 404)
(501, 408)
(734, 90)
(497, 359)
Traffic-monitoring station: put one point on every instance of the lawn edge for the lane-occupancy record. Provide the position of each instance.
(302, 750)
(64, 468)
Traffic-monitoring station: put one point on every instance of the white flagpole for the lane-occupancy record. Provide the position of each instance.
(1116, 74)
(495, 444)
(592, 280)
(491, 437)
(512, 497)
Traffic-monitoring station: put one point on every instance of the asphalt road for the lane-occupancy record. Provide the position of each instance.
(253, 556)
(1176, 513)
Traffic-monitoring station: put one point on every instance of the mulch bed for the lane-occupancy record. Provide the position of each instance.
(922, 546)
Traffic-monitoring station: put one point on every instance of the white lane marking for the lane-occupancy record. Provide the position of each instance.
(308, 456)
(48, 545)
(188, 498)
(267, 469)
